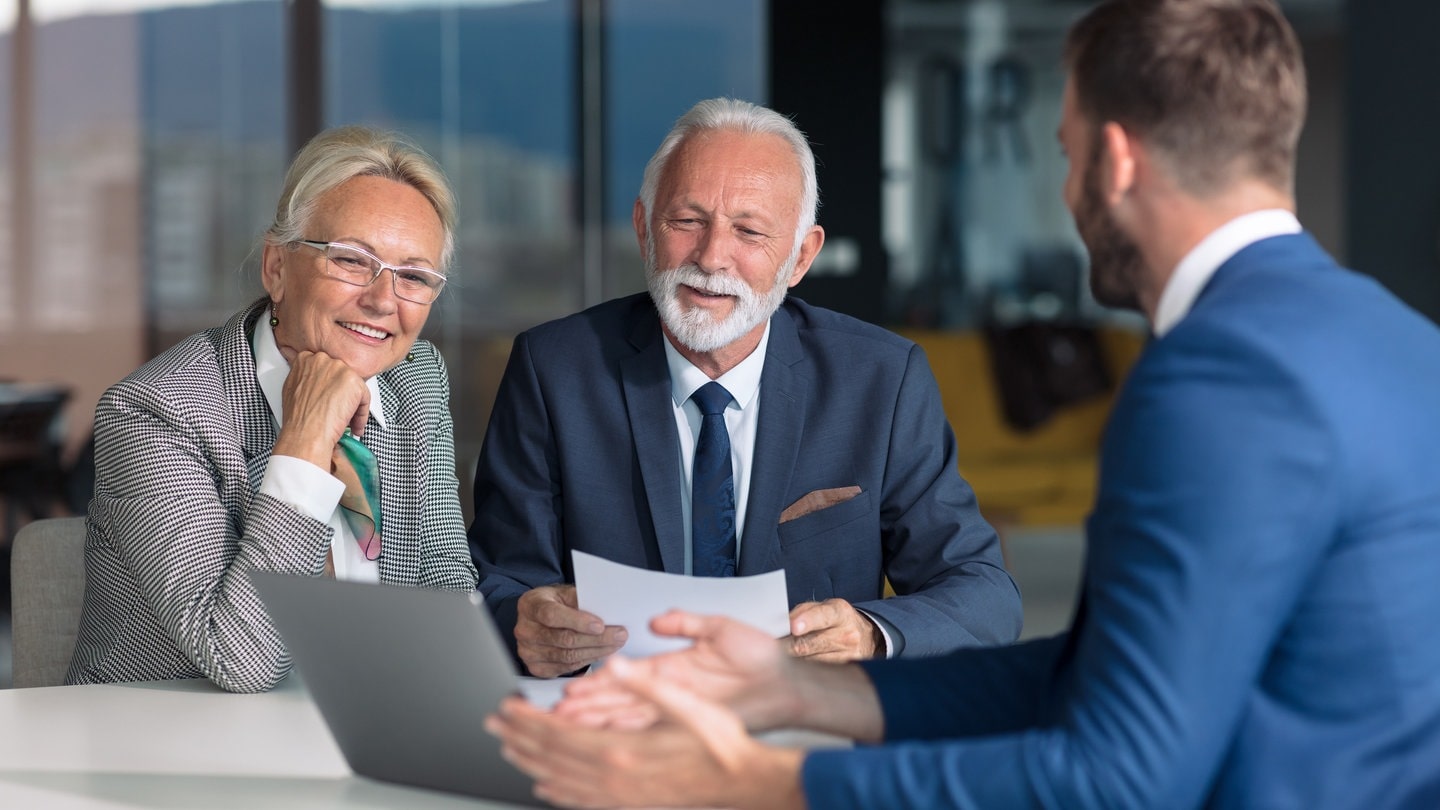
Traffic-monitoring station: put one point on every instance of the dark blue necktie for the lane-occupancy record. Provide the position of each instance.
(712, 488)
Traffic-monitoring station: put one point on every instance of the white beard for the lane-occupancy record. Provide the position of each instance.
(697, 329)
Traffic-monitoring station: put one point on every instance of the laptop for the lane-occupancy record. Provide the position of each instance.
(404, 678)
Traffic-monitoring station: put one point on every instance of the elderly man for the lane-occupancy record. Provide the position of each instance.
(1258, 622)
(714, 427)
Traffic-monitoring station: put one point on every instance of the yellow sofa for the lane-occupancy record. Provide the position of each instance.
(1042, 477)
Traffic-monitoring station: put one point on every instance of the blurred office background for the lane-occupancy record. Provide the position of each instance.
(144, 143)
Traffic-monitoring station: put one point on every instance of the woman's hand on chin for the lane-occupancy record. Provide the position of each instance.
(322, 397)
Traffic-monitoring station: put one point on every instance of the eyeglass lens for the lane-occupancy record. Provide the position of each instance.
(359, 268)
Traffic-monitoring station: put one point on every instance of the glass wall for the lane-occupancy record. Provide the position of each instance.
(74, 296)
(213, 144)
(974, 221)
(663, 56)
(157, 135)
(489, 89)
(494, 90)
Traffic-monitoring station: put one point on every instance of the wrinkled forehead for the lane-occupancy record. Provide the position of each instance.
(758, 168)
(387, 217)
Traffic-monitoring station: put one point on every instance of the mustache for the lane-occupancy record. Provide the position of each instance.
(713, 283)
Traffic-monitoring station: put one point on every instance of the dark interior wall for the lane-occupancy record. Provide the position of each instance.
(827, 63)
(1320, 164)
(1393, 153)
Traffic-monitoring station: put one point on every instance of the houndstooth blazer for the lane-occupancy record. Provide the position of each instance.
(176, 522)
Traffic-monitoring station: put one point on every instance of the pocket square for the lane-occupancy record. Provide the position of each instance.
(817, 500)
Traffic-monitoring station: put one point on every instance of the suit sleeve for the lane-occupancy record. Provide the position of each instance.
(157, 493)
(942, 558)
(1218, 494)
(516, 536)
(444, 559)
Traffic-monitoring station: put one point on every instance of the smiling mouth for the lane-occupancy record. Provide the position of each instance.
(367, 331)
(704, 293)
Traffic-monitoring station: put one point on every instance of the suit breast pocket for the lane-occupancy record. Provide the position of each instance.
(821, 521)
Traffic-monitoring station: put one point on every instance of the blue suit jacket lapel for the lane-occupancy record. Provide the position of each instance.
(784, 394)
(646, 379)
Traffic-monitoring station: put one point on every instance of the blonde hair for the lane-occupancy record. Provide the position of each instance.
(344, 153)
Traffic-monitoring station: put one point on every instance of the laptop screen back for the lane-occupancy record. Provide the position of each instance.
(404, 678)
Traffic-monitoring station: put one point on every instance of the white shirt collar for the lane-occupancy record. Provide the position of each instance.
(1194, 271)
(742, 381)
(271, 369)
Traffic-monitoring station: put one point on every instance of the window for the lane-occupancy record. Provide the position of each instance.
(159, 136)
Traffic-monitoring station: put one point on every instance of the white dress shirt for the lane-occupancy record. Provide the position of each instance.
(1194, 271)
(298, 482)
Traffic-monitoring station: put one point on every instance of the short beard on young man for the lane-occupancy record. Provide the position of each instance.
(1116, 267)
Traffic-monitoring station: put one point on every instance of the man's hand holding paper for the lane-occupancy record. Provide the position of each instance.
(554, 637)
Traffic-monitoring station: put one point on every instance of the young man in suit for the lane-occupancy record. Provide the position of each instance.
(832, 456)
(1257, 622)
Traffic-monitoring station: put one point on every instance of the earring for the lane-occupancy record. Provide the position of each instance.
(274, 314)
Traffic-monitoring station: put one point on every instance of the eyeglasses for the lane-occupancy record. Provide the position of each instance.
(361, 267)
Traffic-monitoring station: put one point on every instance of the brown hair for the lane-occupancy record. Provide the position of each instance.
(1217, 87)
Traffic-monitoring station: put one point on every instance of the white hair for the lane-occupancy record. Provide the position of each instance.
(739, 116)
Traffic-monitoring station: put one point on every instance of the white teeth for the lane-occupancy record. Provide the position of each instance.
(366, 330)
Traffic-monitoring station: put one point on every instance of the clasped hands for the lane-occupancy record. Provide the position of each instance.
(674, 729)
(554, 637)
(670, 730)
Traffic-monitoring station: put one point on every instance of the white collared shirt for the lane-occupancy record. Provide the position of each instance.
(742, 416)
(298, 482)
(1194, 271)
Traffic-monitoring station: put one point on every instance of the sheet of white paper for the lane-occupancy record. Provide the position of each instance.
(631, 597)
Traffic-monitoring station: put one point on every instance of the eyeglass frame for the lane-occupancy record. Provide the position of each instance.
(383, 265)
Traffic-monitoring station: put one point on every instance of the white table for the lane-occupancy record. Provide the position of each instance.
(188, 744)
(172, 744)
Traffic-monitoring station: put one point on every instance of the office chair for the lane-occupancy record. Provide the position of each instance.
(47, 570)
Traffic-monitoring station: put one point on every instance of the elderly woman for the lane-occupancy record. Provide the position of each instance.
(309, 435)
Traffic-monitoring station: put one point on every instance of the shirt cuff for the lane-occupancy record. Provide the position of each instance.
(303, 485)
(885, 628)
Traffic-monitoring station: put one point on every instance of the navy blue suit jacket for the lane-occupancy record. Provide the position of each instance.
(582, 453)
(1260, 626)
